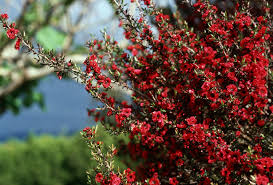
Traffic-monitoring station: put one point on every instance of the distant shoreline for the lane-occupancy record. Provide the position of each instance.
(23, 135)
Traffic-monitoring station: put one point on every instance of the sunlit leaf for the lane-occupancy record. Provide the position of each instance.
(51, 38)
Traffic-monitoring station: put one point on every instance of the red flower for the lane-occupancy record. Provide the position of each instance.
(260, 19)
(232, 89)
(206, 86)
(263, 91)
(4, 16)
(173, 181)
(261, 123)
(147, 2)
(231, 76)
(59, 75)
(130, 175)
(106, 82)
(99, 177)
(115, 180)
(134, 52)
(154, 180)
(157, 116)
(165, 93)
(262, 180)
(271, 108)
(12, 32)
(17, 44)
(192, 120)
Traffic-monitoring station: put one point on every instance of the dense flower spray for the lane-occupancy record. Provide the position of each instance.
(202, 100)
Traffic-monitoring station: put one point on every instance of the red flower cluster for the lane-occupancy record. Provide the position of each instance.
(88, 132)
(199, 98)
(201, 108)
(114, 179)
(4, 16)
(12, 32)
(17, 44)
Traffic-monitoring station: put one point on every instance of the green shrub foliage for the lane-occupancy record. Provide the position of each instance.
(49, 160)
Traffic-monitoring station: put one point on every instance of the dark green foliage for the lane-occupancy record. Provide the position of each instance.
(48, 160)
(24, 96)
(68, 2)
(44, 161)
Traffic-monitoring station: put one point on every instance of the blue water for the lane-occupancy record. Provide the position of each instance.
(66, 104)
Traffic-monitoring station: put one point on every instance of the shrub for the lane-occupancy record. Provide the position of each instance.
(202, 98)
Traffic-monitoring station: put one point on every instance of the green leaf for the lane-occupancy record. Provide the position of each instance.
(31, 16)
(50, 38)
(68, 2)
(39, 98)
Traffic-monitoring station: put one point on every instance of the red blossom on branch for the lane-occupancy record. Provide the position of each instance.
(17, 44)
(4, 16)
(12, 32)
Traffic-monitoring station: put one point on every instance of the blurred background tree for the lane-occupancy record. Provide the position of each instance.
(51, 24)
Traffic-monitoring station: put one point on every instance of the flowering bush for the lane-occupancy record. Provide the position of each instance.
(202, 98)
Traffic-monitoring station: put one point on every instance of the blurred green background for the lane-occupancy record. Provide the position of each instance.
(48, 160)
